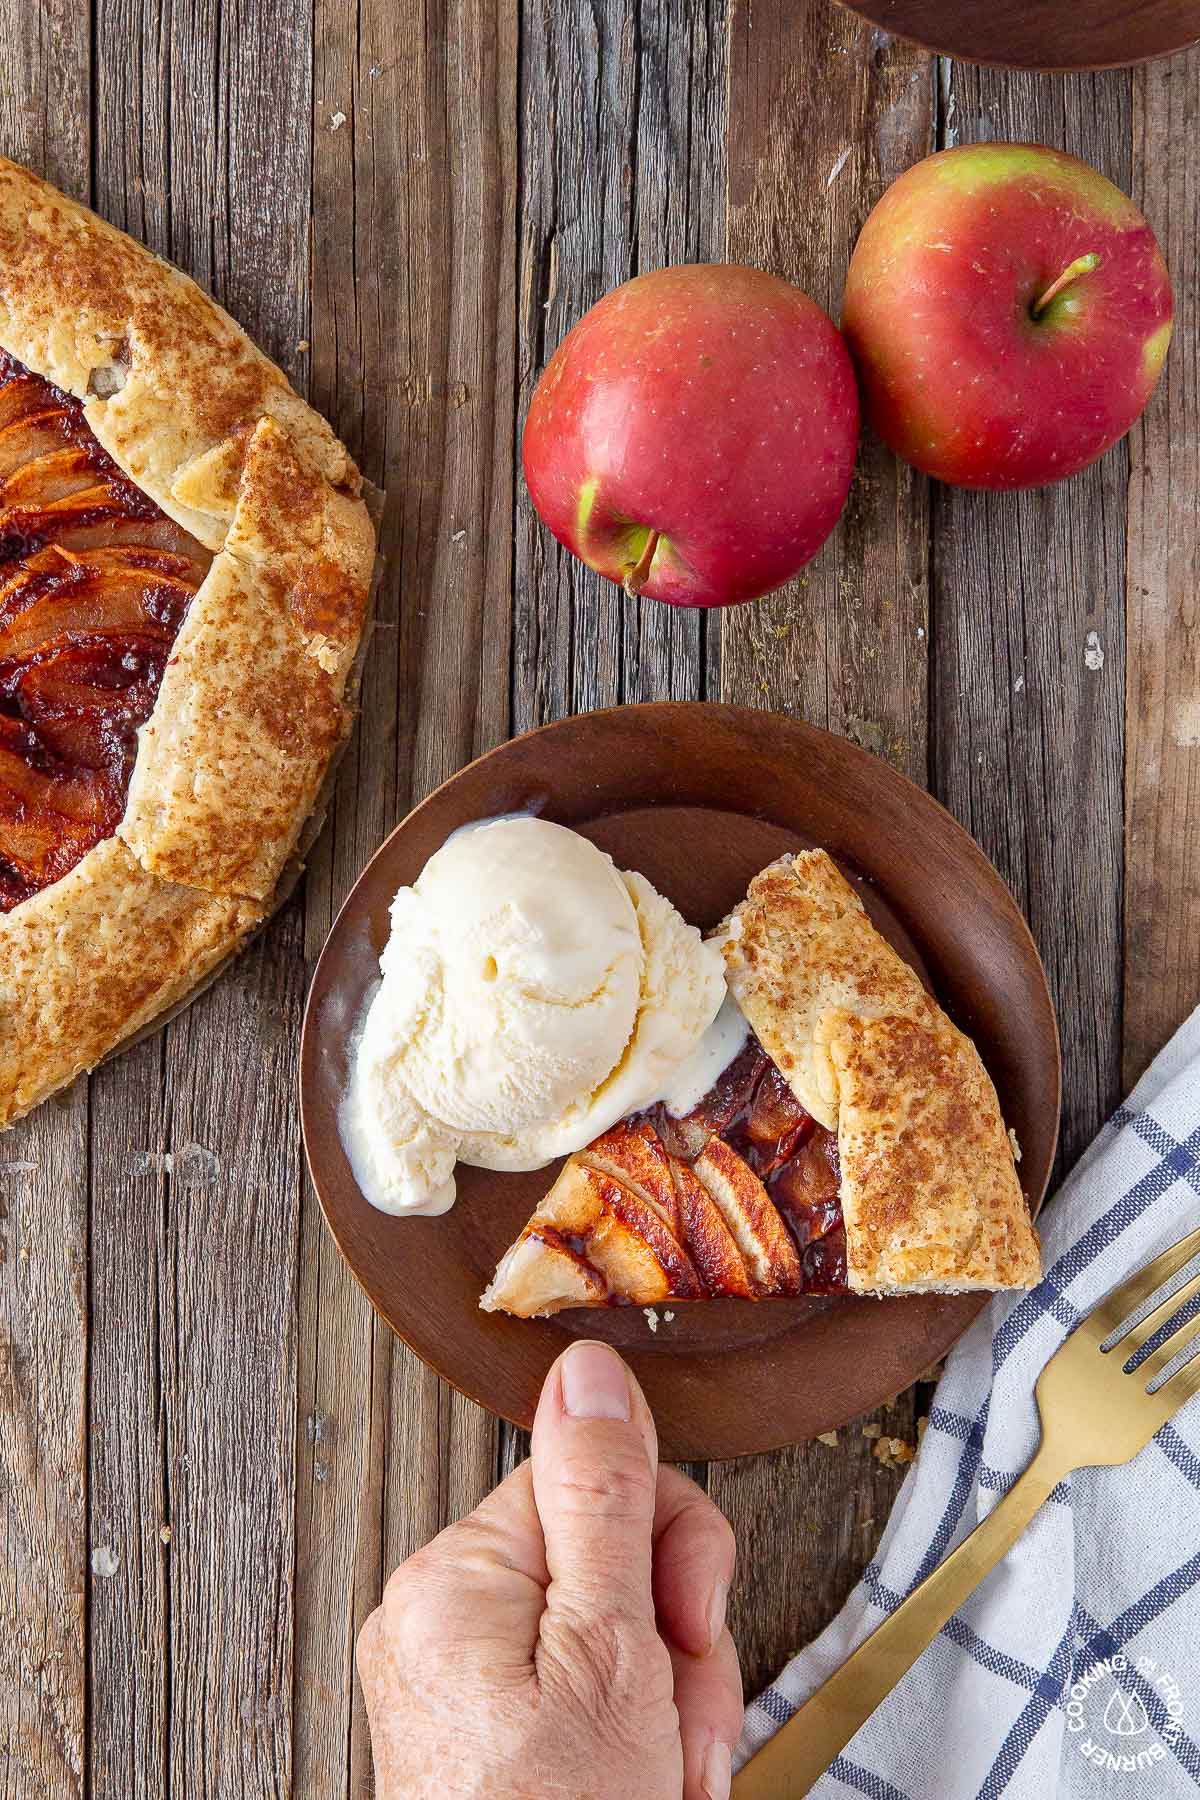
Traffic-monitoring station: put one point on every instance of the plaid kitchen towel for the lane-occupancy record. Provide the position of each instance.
(1073, 1673)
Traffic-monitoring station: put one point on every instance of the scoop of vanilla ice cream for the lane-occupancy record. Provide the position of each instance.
(511, 975)
(402, 1159)
(511, 987)
(681, 991)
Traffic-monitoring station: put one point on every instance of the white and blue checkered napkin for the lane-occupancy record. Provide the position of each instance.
(1073, 1673)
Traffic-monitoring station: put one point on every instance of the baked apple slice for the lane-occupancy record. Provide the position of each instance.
(547, 1275)
(622, 1236)
(634, 1155)
(94, 585)
(711, 1245)
(760, 1234)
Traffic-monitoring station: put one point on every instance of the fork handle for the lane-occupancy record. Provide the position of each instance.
(790, 1762)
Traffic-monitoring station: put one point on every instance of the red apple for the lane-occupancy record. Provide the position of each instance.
(694, 436)
(1009, 311)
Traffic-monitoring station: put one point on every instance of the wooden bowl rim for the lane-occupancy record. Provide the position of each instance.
(880, 14)
(960, 1310)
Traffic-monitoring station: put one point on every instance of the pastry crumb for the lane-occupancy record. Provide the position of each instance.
(337, 121)
(667, 1317)
(651, 1317)
(1093, 652)
(1015, 1143)
(872, 1431)
(165, 1534)
(827, 1437)
(893, 1452)
(302, 346)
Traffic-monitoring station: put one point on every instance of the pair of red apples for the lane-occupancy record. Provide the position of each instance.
(1007, 311)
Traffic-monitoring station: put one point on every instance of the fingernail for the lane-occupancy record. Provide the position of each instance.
(594, 1384)
(716, 1612)
(716, 1771)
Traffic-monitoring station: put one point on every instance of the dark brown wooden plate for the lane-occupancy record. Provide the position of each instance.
(699, 798)
(1041, 34)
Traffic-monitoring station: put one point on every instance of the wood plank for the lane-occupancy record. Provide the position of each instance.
(194, 1137)
(1162, 764)
(621, 155)
(43, 1177)
(128, 1440)
(129, 1649)
(824, 113)
(622, 131)
(43, 1519)
(1028, 740)
(415, 362)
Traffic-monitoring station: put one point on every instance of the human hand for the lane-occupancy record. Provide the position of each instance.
(567, 1640)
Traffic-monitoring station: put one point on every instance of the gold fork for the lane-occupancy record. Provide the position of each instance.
(1094, 1410)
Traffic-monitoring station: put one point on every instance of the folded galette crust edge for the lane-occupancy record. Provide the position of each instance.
(930, 1193)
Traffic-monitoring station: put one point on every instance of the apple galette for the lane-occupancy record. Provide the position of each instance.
(855, 1144)
(185, 559)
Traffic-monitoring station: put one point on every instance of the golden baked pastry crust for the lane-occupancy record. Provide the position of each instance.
(86, 963)
(929, 1190)
(252, 703)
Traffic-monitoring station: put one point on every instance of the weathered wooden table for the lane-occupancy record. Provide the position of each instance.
(210, 1455)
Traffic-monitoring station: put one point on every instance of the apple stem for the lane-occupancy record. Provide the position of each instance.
(1083, 265)
(635, 575)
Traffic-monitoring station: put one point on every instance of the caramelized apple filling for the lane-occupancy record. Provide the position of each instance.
(753, 1110)
(94, 584)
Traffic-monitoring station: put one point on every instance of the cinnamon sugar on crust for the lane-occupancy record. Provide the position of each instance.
(929, 1191)
(89, 961)
(799, 947)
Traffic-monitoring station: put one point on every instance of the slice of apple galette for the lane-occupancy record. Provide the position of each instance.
(855, 1143)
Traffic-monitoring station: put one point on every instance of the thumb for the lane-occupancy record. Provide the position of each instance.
(595, 1471)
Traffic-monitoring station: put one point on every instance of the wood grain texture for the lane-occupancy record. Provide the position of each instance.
(621, 152)
(824, 114)
(622, 129)
(196, 1156)
(1162, 703)
(44, 121)
(414, 195)
(43, 1523)
(1028, 735)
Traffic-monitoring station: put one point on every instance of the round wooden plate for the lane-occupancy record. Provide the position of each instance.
(699, 798)
(1041, 34)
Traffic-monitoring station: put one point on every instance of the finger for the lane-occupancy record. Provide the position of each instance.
(694, 1555)
(708, 1699)
(595, 1461)
(366, 1648)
